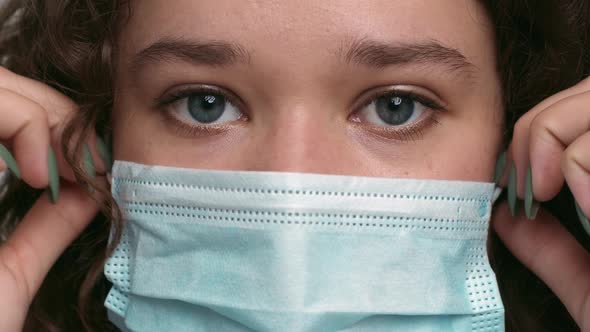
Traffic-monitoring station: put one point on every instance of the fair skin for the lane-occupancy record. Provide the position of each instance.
(299, 94)
(302, 107)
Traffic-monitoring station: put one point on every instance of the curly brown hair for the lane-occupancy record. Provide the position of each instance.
(542, 48)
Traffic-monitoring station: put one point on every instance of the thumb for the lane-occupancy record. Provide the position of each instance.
(545, 247)
(44, 233)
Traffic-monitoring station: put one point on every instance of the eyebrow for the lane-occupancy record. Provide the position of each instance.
(365, 52)
(376, 54)
(208, 53)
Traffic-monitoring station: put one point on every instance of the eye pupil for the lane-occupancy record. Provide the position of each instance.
(206, 108)
(395, 110)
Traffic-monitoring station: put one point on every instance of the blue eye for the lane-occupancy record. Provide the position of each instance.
(203, 108)
(395, 110)
(392, 110)
(206, 108)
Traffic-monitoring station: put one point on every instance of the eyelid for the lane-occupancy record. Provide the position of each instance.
(182, 128)
(421, 95)
(173, 95)
(425, 97)
(402, 133)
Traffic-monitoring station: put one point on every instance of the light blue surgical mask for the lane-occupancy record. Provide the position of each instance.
(270, 251)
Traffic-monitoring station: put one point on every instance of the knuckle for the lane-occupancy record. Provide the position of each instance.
(543, 127)
(11, 260)
(6, 77)
(568, 102)
(37, 91)
(71, 218)
(568, 159)
(35, 113)
(585, 83)
(5, 94)
(28, 109)
(40, 113)
(568, 155)
(538, 124)
(5, 72)
(521, 125)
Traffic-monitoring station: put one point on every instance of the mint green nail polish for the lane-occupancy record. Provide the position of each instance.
(512, 190)
(500, 166)
(583, 219)
(531, 206)
(105, 153)
(9, 160)
(53, 176)
(88, 162)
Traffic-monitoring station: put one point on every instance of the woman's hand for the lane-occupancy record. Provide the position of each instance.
(31, 115)
(554, 139)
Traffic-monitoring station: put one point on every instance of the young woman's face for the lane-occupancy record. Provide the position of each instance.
(391, 88)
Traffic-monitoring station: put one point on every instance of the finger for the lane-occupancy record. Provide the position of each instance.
(25, 123)
(575, 165)
(24, 116)
(95, 158)
(581, 87)
(57, 105)
(58, 108)
(549, 251)
(518, 151)
(44, 233)
(551, 132)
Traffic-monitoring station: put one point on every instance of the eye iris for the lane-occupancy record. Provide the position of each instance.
(206, 108)
(395, 110)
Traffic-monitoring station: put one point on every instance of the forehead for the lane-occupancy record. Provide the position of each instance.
(297, 29)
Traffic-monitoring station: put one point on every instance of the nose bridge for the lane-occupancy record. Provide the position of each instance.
(298, 139)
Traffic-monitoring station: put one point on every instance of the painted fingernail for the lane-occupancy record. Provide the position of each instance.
(583, 219)
(500, 166)
(531, 206)
(9, 160)
(88, 162)
(53, 177)
(105, 153)
(512, 190)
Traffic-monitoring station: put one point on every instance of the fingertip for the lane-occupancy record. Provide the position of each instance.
(33, 167)
(63, 167)
(547, 177)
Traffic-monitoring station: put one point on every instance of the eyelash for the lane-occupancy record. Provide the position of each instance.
(196, 130)
(410, 132)
(188, 91)
(405, 133)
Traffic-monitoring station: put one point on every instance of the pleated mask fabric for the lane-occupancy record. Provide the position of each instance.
(206, 250)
